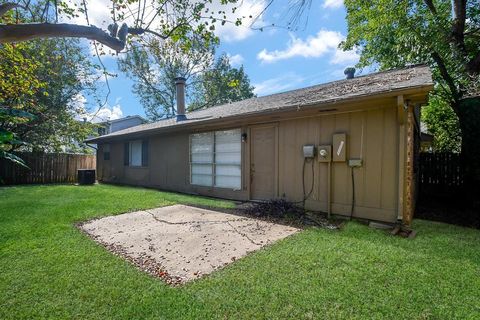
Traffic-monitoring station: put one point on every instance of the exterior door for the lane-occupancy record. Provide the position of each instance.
(263, 162)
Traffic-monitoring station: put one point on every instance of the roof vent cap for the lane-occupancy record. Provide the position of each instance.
(349, 72)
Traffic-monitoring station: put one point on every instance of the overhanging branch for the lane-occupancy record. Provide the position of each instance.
(5, 7)
(445, 75)
(22, 32)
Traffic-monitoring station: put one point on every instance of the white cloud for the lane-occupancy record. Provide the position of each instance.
(104, 113)
(98, 13)
(345, 57)
(229, 32)
(236, 60)
(108, 113)
(278, 84)
(78, 102)
(323, 42)
(332, 4)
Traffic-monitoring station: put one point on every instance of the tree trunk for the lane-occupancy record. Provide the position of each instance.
(468, 111)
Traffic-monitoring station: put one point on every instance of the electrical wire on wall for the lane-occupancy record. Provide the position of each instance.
(305, 195)
(353, 193)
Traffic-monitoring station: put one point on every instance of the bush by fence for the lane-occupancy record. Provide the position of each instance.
(45, 168)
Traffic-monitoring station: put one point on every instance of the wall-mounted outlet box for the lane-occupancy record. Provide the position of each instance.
(354, 163)
(308, 151)
(324, 153)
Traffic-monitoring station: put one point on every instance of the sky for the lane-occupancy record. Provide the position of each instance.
(275, 59)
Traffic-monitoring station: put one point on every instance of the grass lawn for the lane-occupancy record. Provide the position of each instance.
(48, 269)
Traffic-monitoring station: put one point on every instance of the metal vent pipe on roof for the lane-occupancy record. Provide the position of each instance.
(349, 72)
(180, 86)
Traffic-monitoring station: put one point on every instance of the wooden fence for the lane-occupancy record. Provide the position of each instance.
(440, 173)
(45, 168)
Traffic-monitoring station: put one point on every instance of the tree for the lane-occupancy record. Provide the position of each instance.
(164, 19)
(209, 82)
(59, 72)
(153, 67)
(445, 35)
(442, 123)
(18, 86)
(221, 84)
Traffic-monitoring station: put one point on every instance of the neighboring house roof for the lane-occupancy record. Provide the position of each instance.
(122, 119)
(363, 86)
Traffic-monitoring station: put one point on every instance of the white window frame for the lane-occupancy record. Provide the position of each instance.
(213, 164)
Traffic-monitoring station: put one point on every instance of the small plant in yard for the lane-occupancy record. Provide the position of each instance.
(283, 209)
(276, 208)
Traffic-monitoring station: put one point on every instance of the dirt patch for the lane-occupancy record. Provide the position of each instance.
(181, 243)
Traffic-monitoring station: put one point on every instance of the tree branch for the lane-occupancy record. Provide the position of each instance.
(431, 7)
(458, 28)
(445, 75)
(23, 32)
(473, 67)
(5, 7)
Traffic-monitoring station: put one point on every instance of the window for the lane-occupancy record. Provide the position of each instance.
(215, 159)
(106, 152)
(136, 153)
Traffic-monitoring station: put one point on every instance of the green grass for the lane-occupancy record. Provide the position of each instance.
(48, 269)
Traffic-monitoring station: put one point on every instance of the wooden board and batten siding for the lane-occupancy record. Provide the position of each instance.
(263, 162)
(372, 135)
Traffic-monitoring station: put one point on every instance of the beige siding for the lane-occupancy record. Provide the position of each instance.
(372, 135)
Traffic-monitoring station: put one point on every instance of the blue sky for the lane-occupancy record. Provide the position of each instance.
(275, 59)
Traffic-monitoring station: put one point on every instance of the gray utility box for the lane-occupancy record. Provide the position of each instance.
(86, 176)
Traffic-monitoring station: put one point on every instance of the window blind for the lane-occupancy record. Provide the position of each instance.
(135, 153)
(215, 159)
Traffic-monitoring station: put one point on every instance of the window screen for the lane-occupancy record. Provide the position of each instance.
(216, 159)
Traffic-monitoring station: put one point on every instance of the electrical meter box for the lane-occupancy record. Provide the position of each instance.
(324, 153)
(339, 147)
(308, 151)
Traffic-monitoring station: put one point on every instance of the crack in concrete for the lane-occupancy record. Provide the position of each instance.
(243, 234)
(192, 222)
(210, 221)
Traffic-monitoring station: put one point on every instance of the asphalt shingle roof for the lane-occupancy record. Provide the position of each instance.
(368, 85)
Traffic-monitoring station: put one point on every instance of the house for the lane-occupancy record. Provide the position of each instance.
(346, 147)
(111, 126)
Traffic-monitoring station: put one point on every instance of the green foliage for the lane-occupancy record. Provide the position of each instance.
(221, 84)
(38, 94)
(442, 123)
(394, 33)
(49, 269)
(18, 87)
(154, 68)
(442, 33)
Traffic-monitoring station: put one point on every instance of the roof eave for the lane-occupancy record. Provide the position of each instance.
(421, 89)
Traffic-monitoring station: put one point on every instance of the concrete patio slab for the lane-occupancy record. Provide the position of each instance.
(180, 243)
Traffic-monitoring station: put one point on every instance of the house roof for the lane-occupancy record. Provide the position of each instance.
(363, 86)
(122, 119)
